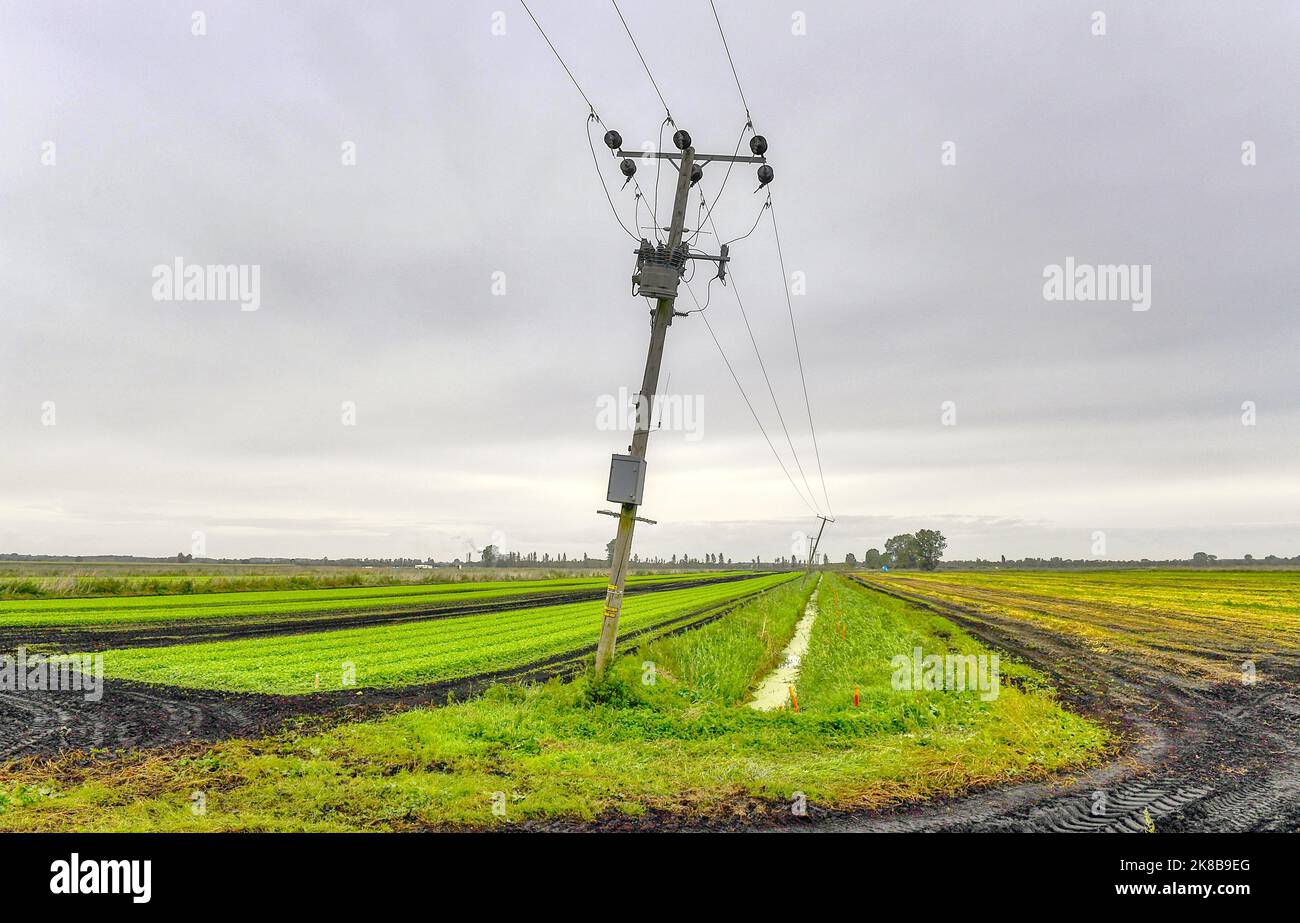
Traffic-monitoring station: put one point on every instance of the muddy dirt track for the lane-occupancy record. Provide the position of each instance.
(138, 715)
(163, 633)
(1201, 756)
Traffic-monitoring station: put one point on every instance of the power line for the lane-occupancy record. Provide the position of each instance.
(743, 101)
(770, 390)
(762, 208)
(642, 57)
(708, 296)
(668, 120)
(735, 291)
(726, 176)
(560, 59)
(785, 286)
(594, 116)
(658, 165)
(603, 184)
(748, 403)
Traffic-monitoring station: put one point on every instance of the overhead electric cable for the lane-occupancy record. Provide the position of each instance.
(785, 281)
(643, 62)
(762, 208)
(750, 405)
(770, 390)
(726, 176)
(604, 186)
(560, 59)
(735, 291)
(725, 48)
(659, 163)
(785, 286)
(593, 116)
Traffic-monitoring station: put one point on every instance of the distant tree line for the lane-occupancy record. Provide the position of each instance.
(920, 550)
(491, 556)
(923, 550)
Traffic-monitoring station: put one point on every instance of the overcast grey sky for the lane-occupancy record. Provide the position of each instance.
(127, 141)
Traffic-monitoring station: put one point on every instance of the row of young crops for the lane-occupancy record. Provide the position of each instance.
(416, 652)
(254, 604)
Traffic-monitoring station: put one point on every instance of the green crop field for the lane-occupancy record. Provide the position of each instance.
(35, 579)
(124, 610)
(670, 734)
(410, 653)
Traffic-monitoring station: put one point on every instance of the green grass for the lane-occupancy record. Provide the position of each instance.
(721, 661)
(686, 744)
(262, 604)
(413, 652)
(853, 642)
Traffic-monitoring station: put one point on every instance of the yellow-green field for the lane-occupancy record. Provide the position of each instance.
(1206, 622)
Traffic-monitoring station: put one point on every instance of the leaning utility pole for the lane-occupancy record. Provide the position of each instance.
(812, 558)
(659, 269)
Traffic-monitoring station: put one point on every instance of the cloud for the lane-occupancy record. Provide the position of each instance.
(475, 411)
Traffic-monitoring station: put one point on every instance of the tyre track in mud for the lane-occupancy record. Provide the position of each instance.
(133, 715)
(166, 634)
(1197, 755)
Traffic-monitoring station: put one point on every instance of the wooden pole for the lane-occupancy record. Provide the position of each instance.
(663, 316)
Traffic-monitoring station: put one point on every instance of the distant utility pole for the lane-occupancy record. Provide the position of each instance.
(659, 269)
(812, 558)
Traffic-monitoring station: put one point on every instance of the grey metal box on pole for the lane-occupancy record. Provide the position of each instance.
(626, 479)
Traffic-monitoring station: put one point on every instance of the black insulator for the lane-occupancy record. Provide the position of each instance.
(682, 138)
(628, 167)
(613, 140)
(697, 174)
(765, 175)
(757, 144)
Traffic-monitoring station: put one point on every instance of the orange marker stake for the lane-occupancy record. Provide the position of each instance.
(794, 699)
(855, 698)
